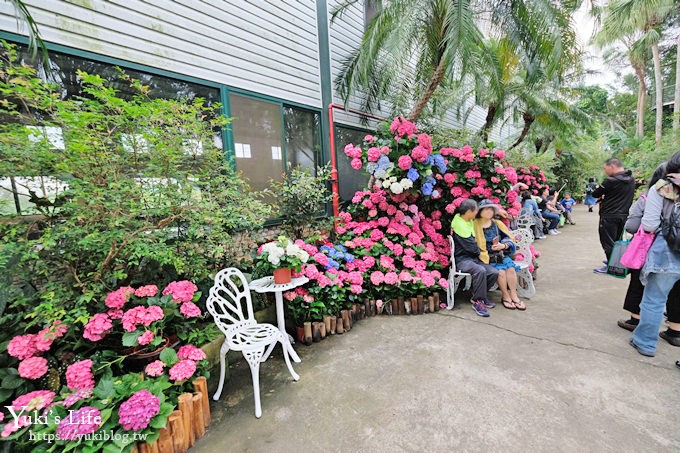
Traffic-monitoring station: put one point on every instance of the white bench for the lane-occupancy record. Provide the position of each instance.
(455, 279)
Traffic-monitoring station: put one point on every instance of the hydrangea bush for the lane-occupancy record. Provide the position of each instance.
(79, 395)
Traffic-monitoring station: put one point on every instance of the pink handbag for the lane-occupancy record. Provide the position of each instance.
(636, 255)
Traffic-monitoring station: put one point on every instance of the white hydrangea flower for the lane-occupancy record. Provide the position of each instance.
(396, 188)
(386, 184)
(406, 183)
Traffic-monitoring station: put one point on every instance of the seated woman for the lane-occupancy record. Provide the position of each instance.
(467, 253)
(496, 246)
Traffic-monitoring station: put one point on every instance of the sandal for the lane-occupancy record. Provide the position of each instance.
(519, 305)
(510, 305)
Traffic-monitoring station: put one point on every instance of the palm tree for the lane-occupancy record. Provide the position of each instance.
(637, 55)
(626, 18)
(420, 45)
(35, 42)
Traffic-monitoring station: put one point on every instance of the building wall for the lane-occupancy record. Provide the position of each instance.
(269, 47)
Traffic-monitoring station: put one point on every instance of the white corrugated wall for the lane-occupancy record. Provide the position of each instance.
(269, 47)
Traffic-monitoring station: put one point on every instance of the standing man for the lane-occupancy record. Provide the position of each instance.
(616, 196)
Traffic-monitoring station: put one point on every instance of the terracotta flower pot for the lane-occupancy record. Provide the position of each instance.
(282, 276)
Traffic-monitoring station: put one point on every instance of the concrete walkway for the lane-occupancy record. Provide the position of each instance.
(558, 377)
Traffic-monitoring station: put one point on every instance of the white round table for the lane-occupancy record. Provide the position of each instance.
(267, 285)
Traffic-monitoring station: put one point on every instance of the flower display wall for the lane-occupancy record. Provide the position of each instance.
(533, 177)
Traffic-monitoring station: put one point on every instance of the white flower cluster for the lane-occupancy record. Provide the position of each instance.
(395, 186)
(277, 250)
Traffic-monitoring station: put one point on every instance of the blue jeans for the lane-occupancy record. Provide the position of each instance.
(646, 334)
(554, 219)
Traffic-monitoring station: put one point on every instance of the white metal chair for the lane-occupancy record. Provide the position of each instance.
(523, 239)
(455, 278)
(242, 332)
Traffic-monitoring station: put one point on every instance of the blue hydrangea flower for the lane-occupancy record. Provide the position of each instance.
(427, 189)
(339, 255)
(371, 167)
(324, 248)
(333, 263)
(435, 193)
(342, 248)
(439, 162)
(383, 162)
(429, 160)
(430, 180)
(349, 258)
(412, 174)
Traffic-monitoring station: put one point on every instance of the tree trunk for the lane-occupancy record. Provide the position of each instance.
(642, 100)
(528, 121)
(429, 91)
(659, 92)
(676, 101)
(490, 116)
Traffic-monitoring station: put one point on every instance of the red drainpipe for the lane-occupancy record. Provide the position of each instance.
(334, 164)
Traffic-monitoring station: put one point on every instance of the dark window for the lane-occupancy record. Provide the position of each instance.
(303, 138)
(349, 179)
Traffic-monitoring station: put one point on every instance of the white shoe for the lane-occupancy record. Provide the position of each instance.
(557, 231)
(552, 232)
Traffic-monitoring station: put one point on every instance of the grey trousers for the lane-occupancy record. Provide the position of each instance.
(484, 276)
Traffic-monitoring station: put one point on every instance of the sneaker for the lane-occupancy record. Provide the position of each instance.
(605, 262)
(489, 303)
(600, 270)
(479, 308)
(552, 233)
(641, 351)
(557, 231)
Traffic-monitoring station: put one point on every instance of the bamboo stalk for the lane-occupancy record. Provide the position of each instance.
(436, 301)
(333, 322)
(367, 303)
(414, 306)
(374, 309)
(430, 303)
(135, 448)
(327, 324)
(420, 305)
(201, 385)
(198, 422)
(395, 306)
(322, 329)
(400, 303)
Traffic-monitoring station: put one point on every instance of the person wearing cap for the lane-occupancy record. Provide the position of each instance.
(496, 247)
(466, 254)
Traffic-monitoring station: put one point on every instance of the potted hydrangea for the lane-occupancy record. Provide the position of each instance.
(280, 258)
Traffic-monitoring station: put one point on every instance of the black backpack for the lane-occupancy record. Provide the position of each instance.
(671, 229)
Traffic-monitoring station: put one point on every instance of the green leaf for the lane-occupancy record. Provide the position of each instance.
(12, 382)
(121, 440)
(112, 448)
(130, 338)
(168, 356)
(106, 388)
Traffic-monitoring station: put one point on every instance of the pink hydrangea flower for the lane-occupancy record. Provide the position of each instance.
(190, 310)
(377, 278)
(369, 138)
(33, 368)
(76, 396)
(499, 154)
(115, 314)
(182, 370)
(154, 369)
(373, 154)
(404, 162)
(420, 153)
(400, 127)
(356, 164)
(79, 375)
(14, 426)
(136, 413)
(34, 401)
(391, 278)
(146, 338)
(182, 291)
(78, 423)
(22, 347)
(118, 298)
(97, 327)
(191, 352)
(146, 291)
